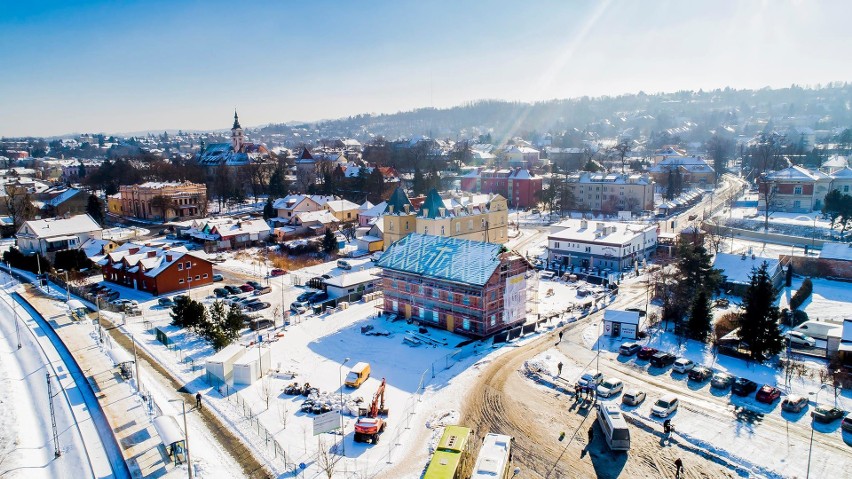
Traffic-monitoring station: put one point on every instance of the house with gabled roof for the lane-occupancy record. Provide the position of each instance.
(156, 269)
(467, 287)
(56, 234)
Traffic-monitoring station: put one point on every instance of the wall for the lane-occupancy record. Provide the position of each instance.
(820, 267)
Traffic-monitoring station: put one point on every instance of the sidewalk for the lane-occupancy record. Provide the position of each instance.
(125, 411)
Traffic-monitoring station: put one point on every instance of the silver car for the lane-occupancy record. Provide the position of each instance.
(633, 397)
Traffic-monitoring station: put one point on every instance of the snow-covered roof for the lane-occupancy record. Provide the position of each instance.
(738, 268)
(463, 261)
(793, 173)
(234, 228)
(52, 227)
(836, 161)
(323, 199)
(341, 205)
(842, 173)
(321, 216)
(351, 279)
(618, 316)
(841, 251)
(604, 232)
(288, 202)
(94, 246)
(62, 197)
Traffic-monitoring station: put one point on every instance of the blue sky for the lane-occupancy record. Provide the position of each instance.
(120, 66)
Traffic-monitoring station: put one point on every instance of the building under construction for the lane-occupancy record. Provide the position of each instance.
(467, 287)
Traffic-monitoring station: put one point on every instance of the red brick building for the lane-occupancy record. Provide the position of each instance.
(156, 270)
(521, 188)
(467, 287)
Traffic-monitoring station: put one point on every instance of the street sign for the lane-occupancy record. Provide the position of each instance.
(326, 422)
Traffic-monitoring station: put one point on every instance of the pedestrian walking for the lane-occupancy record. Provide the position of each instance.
(559, 369)
(560, 336)
(591, 434)
(198, 400)
(678, 468)
(577, 391)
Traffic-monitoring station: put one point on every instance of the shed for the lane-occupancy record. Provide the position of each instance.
(842, 342)
(737, 270)
(359, 282)
(166, 334)
(220, 366)
(619, 323)
(119, 356)
(171, 435)
(246, 369)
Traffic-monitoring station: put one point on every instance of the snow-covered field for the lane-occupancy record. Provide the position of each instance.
(830, 300)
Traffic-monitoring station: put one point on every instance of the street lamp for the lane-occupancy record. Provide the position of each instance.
(136, 363)
(185, 436)
(811, 445)
(340, 410)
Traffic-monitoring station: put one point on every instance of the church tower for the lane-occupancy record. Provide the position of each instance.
(237, 138)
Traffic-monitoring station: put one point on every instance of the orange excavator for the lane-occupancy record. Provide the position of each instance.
(369, 425)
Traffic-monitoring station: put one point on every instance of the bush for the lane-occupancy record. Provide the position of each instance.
(798, 318)
(803, 293)
(30, 263)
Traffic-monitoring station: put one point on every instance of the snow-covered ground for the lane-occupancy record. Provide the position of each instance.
(120, 233)
(830, 300)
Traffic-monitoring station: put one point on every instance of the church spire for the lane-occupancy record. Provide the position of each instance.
(236, 121)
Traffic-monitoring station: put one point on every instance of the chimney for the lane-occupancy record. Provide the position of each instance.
(168, 257)
(134, 250)
(151, 254)
(599, 226)
(584, 224)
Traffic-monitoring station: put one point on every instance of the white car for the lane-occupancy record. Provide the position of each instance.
(592, 377)
(665, 406)
(800, 340)
(610, 387)
(683, 365)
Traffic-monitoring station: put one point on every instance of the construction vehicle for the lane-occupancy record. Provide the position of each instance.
(369, 425)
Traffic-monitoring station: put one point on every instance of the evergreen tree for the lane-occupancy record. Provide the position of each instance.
(94, 208)
(268, 210)
(329, 242)
(700, 318)
(233, 323)
(278, 182)
(81, 170)
(418, 185)
(759, 321)
(695, 274)
(178, 313)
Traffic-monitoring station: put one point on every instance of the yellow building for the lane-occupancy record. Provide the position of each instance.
(472, 217)
(164, 201)
(114, 204)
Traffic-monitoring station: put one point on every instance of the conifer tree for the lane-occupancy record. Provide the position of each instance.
(759, 326)
(700, 318)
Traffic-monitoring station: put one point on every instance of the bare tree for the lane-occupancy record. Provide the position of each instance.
(327, 459)
(348, 229)
(621, 150)
(769, 192)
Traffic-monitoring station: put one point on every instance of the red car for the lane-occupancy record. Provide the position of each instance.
(277, 272)
(767, 394)
(247, 288)
(646, 352)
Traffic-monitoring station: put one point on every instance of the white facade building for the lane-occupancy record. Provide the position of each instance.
(57, 234)
(577, 243)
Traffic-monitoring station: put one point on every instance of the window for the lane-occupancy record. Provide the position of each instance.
(180, 281)
(442, 231)
(797, 190)
(466, 300)
(483, 222)
(390, 226)
(407, 287)
(588, 249)
(493, 319)
(425, 230)
(436, 293)
(466, 323)
(420, 290)
(458, 227)
(197, 277)
(188, 265)
(205, 275)
(180, 266)
(470, 225)
(556, 245)
(406, 226)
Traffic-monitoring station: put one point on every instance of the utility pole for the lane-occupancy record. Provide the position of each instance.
(56, 450)
(136, 363)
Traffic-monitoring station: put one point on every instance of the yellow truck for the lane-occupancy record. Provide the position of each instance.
(358, 374)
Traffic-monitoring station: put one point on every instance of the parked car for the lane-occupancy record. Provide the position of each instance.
(277, 272)
(343, 264)
(846, 424)
(262, 290)
(700, 374)
(305, 296)
(661, 360)
(826, 414)
(261, 323)
(246, 288)
(800, 340)
(165, 302)
(218, 277)
(767, 394)
(221, 292)
(592, 377)
(610, 387)
(254, 284)
(794, 403)
(683, 365)
(298, 308)
(629, 349)
(257, 306)
(743, 386)
(319, 297)
(721, 380)
(646, 352)
(633, 397)
(665, 406)
(233, 289)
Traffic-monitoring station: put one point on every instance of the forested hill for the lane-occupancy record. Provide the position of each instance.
(688, 113)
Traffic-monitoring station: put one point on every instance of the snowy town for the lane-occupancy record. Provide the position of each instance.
(652, 285)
